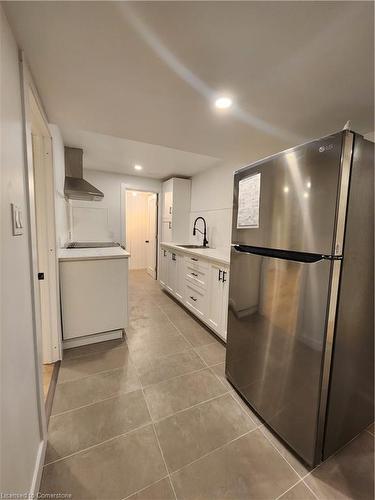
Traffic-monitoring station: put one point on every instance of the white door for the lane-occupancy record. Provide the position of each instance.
(151, 235)
(215, 297)
(43, 190)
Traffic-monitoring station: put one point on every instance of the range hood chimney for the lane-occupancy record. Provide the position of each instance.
(75, 187)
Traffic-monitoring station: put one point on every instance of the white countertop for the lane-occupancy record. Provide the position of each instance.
(209, 253)
(92, 253)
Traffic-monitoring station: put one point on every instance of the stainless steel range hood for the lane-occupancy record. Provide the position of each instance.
(75, 187)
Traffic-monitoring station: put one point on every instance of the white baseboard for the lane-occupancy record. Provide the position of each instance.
(93, 339)
(38, 470)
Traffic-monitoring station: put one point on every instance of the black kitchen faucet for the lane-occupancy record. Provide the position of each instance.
(205, 241)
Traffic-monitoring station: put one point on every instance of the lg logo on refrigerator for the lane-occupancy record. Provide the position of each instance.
(325, 148)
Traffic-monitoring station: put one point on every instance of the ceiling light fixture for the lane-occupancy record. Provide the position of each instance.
(138, 167)
(223, 102)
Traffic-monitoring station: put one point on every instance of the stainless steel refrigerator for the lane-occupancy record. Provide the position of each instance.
(301, 297)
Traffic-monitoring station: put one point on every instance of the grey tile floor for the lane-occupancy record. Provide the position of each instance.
(153, 418)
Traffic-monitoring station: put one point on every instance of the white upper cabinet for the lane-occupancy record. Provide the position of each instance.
(176, 210)
(167, 200)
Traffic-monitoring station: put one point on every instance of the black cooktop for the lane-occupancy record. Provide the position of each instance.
(92, 244)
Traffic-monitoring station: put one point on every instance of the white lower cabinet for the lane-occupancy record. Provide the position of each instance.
(201, 285)
(171, 273)
(218, 299)
(196, 300)
(163, 267)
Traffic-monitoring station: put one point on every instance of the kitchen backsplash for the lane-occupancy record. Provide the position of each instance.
(219, 224)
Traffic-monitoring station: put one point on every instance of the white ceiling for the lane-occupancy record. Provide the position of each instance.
(148, 71)
(113, 154)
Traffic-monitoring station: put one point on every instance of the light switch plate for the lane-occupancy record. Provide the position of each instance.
(17, 222)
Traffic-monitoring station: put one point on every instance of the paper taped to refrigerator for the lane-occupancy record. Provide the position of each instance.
(248, 202)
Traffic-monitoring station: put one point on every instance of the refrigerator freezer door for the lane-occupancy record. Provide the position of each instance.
(297, 202)
(276, 332)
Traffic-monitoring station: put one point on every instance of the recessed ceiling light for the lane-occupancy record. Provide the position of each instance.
(138, 167)
(223, 102)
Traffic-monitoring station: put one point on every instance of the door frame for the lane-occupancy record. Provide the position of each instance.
(28, 89)
(128, 187)
(154, 198)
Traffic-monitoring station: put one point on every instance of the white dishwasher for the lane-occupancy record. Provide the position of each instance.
(94, 294)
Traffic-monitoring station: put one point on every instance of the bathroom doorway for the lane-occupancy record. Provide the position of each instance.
(141, 230)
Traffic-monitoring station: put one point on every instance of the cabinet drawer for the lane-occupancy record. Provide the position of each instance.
(196, 263)
(196, 300)
(196, 276)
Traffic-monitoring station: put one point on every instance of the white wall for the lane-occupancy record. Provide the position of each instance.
(110, 184)
(211, 198)
(20, 432)
(61, 205)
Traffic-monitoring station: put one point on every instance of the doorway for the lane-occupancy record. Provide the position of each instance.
(141, 230)
(45, 268)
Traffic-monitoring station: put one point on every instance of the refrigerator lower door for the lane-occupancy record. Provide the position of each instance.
(276, 341)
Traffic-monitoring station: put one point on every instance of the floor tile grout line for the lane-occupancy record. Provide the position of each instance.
(290, 488)
(279, 452)
(331, 456)
(93, 374)
(177, 376)
(310, 489)
(158, 420)
(145, 487)
(197, 353)
(93, 353)
(213, 451)
(239, 404)
(158, 442)
(47, 464)
(180, 411)
(219, 379)
(187, 340)
(113, 396)
(165, 462)
(163, 355)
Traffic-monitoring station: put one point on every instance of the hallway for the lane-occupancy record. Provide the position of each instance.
(154, 418)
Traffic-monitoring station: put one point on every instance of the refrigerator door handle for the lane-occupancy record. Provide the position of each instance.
(281, 254)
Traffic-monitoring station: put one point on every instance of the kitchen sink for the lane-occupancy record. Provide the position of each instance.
(192, 246)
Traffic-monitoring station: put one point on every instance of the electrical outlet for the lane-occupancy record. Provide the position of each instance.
(17, 222)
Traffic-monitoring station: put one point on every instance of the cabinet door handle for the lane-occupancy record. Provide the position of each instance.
(194, 274)
(170, 210)
(193, 298)
(224, 273)
(169, 225)
(173, 256)
(147, 241)
(193, 258)
(165, 253)
(220, 271)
